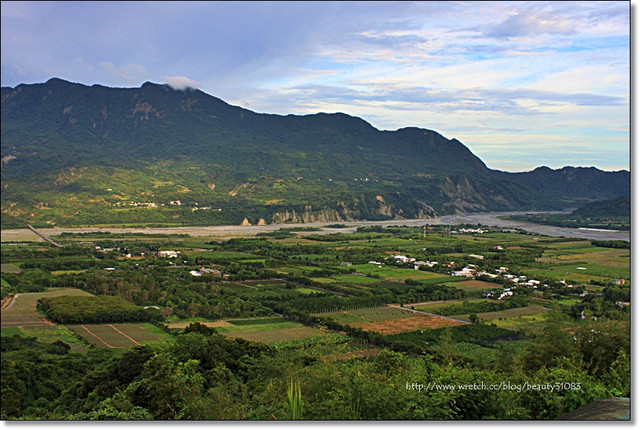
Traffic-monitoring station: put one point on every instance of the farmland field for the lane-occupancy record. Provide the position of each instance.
(283, 324)
(433, 307)
(113, 335)
(268, 329)
(402, 325)
(516, 323)
(23, 311)
(277, 335)
(357, 279)
(368, 315)
(389, 320)
(383, 322)
(393, 273)
(473, 285)
(507, 313)
(9, 268)
(48, 334)
(609, 257)
(184, 324)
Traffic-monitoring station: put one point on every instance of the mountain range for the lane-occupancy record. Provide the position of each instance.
(89, 155)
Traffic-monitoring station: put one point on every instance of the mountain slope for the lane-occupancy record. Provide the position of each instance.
(76, 154)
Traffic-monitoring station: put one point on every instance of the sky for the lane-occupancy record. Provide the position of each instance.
(521, 84)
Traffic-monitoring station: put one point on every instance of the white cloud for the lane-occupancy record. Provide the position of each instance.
(181, 82)
(533, 23)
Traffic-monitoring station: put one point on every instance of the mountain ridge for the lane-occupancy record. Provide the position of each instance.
(252, 165)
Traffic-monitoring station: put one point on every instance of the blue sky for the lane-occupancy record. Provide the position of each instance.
(522, 84)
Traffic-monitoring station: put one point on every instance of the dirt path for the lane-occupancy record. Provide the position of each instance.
(96, 336)
(124, 334)
(9, 301)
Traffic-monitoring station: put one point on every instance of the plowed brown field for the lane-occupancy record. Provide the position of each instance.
(402, 325)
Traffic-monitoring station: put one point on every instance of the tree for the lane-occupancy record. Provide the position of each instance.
(169, 390)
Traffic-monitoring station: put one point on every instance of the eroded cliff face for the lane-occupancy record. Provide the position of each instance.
(352, 211)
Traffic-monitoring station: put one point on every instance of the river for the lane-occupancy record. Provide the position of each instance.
(228, 231)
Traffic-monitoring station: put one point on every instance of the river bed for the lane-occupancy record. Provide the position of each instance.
(229, 231)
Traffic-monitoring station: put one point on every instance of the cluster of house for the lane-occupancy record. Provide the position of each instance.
(406, 260)
(137, 204)
(205, 270)
(469, 230)
(204, 208)
(506, 292)
(103, 250)
(172, 203)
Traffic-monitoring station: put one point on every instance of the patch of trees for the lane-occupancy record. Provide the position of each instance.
(471, 333)
(332, 302)
(619, 244)
(94, 310)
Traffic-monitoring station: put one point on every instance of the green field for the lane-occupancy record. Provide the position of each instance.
(9, 268)
(23, 312)
(357, 279)
(368, 315)
(48, 334)
(524, 321)
(279, 335)
(115, 335)
(433, 307)
(506, 314)
(474, 285)
(394, 273)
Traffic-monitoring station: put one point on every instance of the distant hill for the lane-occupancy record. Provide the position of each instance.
(76, 155)
(614, 214)
(614, 208)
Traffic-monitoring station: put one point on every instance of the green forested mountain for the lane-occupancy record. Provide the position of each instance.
(609, 214)
(76, 155)
(615, 208)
